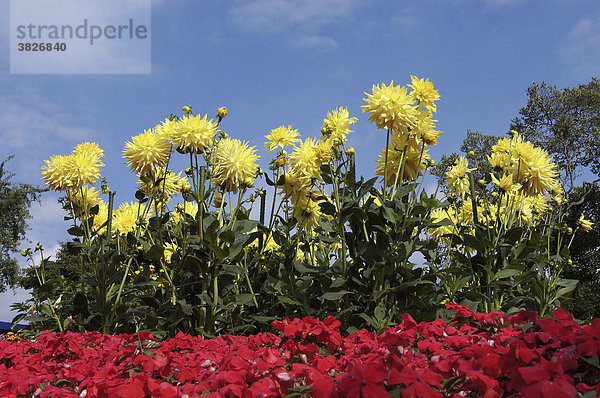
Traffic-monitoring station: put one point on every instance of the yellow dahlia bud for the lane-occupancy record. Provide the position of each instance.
(221, 112)
(186, 187)
(350, 151)
(570, 231)
(431, 162)
(249, 183)
(25, 252)
(281, 160)
(187, 109)
(471, 154)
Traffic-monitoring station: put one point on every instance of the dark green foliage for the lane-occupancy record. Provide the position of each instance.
(15, 199)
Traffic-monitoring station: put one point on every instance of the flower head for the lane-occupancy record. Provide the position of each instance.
(146, 152)
(56, 173)
(83, 200)
(281, 137)
(193, 133)
(235, 164)
(307, 210)
(163, 185)
(126, 217)
(424, 92)
(221, 112)
(304, 160)
(531, 166)
(457, 178)
(336, 126)
(585, 224)
(506, 183)
(83, 165)
(442, 215)
(390, 107)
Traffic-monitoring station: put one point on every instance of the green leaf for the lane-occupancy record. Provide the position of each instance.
(338, 282)
(327, 208)
(506, 273)
(288, 300)
(303, 269)
(75, 231)
(155, 253)
(333, 296)
(474, 242)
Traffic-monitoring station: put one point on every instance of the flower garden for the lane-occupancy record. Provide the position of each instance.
(320, 283)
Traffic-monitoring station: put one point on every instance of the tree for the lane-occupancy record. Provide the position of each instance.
(15, 199)
(476, 146)
(567, 124)
(585, 253)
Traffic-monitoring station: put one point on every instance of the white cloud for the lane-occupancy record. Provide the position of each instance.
(405, 21)
(33, 132)
(317, 43)
(580, 49)
(300, 22)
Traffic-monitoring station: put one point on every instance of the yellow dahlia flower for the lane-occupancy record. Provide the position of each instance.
(190, 208)
(165, 129)
(323, 152)
(304, 161)
(83, 200)
(146, 152)
(126, 217)
(532, 208)
(235, 164)
(390, 107)
(294, 184)
(439, 215)
(415, 161)
(83, 165)
(307, 210)
(457, 178)
(499, 160)
(91, 148)
(506, 183)
(281, 137)
(585, 224)
(425, 128)
(531, 167)
(193, 134)
(424, 92)
(56, 173)
(163, 185)
(337, 125)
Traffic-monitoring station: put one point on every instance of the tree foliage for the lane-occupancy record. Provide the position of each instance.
(567, 124)
(15, 199)
(476, 146)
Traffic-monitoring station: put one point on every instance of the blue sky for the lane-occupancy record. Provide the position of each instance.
(274, 62)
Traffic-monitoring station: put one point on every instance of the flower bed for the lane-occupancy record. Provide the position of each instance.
(476, 354)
